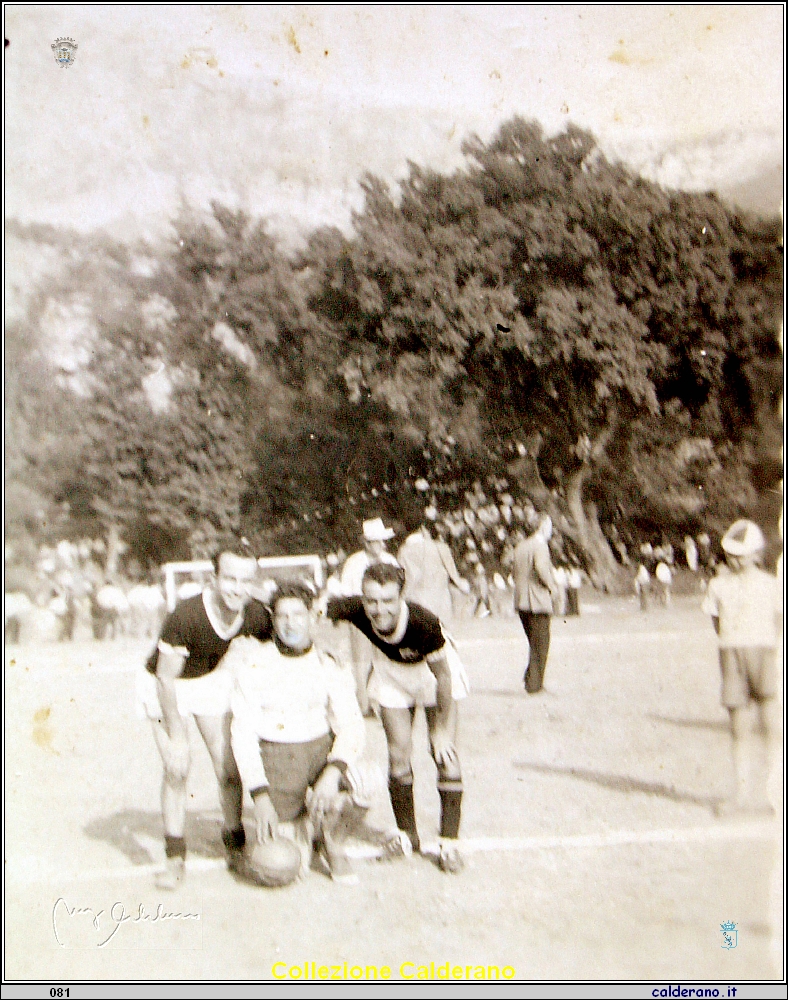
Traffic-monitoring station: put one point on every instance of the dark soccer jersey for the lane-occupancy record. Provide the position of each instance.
(189, 627)
(423, 634)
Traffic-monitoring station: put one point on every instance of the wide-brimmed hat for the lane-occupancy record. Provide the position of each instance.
(743, 538)
(376, 531)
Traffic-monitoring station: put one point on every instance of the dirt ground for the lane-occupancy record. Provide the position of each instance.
(592, 849)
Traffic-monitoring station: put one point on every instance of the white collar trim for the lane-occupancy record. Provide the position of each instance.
(399, 632)
(224, 632)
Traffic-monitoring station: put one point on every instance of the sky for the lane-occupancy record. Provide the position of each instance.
(279, 109)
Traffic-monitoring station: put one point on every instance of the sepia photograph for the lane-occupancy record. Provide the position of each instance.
(393, 487)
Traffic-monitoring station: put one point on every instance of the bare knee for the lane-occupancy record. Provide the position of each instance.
(399, 759)
(450, 771)
(399, 767)
(175, 777)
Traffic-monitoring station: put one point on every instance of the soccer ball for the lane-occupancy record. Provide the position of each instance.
(274, 863)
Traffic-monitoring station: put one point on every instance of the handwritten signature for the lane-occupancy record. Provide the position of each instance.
(113, 918)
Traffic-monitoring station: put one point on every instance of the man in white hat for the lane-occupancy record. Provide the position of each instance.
(746, 608)
(375, 535)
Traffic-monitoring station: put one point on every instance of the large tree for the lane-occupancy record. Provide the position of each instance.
(542, 313)
(544, 295)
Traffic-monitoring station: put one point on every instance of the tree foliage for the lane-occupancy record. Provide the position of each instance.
(542, 313)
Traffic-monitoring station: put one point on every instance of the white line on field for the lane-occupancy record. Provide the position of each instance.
(26, 874)
(591, 637)
(616, 838)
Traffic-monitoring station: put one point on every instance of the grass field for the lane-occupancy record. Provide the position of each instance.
(592, 847)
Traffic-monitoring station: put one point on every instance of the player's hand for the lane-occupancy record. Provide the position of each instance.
(464, 586)
(266, 818)
(444, 752)
(176, 758)
(324, 794)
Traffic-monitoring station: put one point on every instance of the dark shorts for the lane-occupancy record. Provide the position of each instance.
(291, 768)
(748, 672)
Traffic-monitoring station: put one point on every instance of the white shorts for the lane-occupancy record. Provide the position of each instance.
(401, 685)
(207, 695)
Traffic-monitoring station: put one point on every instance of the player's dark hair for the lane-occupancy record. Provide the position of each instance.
(292, 589)
(384, 573)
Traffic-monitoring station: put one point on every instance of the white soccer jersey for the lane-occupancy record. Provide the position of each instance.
(747, 605)
(289, 699)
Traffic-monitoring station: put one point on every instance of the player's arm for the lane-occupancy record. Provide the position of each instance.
(246, 750)
(341, 609)
(544, 569)
(344, 717)
(451, 568)
(169, 667)
(442, 744)
(411, 562)
(347, 724)
(711, 606)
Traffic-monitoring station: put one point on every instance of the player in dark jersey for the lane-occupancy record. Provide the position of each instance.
(182, 679)
(412, 666)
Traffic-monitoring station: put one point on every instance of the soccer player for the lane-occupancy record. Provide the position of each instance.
(745, 606)
(413, 665)
(297, 732)
(375, 536)
(182, 680)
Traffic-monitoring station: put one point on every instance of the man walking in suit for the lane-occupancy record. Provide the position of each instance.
(535, 589)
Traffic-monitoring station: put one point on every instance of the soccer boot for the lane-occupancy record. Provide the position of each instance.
(397, 845)
(449, 858)
(172, 875)
(339, 865)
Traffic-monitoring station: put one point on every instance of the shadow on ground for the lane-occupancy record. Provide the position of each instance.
(715, 725)
(129, 829)
(621, 783)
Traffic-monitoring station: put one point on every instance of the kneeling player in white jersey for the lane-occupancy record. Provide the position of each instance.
(297, 733)
(414, 664)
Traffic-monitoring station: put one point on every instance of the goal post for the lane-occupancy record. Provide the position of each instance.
(273, 570)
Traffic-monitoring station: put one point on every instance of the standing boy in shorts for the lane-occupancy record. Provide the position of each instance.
(411, 667)
(746, 606)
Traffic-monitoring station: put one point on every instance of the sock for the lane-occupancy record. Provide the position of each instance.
(175, 847)
(234, 840)
(451, 808)
(401, 795)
